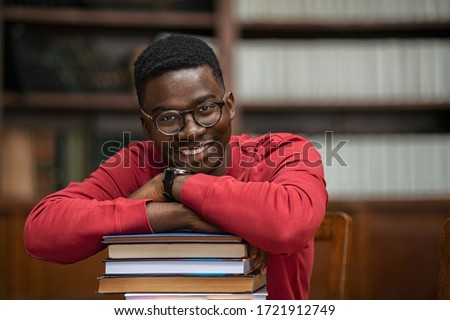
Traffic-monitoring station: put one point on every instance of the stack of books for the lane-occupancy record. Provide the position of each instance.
(180, 265)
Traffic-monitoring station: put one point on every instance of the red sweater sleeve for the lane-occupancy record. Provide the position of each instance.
(68, 226)
(278, 193)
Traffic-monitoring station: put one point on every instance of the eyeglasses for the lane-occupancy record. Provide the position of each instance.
(171, 122)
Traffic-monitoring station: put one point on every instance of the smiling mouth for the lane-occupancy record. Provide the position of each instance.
(199, 154)
(193, 151)
(202, 157)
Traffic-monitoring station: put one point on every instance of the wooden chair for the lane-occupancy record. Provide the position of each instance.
(444, 264)
(336, 229)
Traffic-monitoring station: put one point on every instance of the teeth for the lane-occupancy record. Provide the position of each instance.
(192, 152)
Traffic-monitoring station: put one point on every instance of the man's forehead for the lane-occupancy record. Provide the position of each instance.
(181, 85)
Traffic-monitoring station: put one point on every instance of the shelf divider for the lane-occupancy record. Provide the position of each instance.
(108, 17)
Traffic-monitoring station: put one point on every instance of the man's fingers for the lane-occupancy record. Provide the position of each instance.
(258, 257)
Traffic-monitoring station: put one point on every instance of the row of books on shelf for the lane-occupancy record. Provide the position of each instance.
(87, 63)
(35, 163)
(357, 166)
(180, 265)
(386, 166)
(343, 10)
(286, 71)
(381, 70)
(39, 61)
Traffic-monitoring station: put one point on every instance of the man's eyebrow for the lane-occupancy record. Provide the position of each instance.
(161, 109)
(202, 99)
(194, 103)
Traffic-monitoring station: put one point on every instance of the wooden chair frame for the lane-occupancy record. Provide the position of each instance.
(336, 228)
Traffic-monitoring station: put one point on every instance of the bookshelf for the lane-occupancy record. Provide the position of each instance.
(109, 18)
(232, 22)
(70, 101)
(344, 35)
(368, 71)
(67, 65)
(104, 113)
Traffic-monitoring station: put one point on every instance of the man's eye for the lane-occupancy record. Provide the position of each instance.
(205, 108)
(167, 117)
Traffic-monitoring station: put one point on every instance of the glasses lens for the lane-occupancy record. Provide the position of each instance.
(207, 114)
(169, 122)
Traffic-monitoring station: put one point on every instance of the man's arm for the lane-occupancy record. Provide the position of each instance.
(277, 205)
(164, 215)
(67, 226)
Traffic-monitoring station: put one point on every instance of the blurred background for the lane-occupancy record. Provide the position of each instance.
(368, 81)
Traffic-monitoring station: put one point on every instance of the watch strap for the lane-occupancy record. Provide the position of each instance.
(169, 176)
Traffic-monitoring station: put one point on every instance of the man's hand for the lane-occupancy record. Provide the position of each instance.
(170, 215)
(173, 215)
(197, 224)
(258, 258)
(153, 189)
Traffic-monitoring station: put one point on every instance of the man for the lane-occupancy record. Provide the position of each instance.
(270, 189)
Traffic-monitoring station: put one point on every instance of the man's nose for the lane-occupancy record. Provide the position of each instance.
(191, 129)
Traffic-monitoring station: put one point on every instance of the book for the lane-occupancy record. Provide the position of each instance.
(163, 283)
(177, 266)
(177, 250)
(18, 165)
(174, 237)
(260, 294)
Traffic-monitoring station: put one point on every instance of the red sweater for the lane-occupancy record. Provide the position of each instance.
(273, 195)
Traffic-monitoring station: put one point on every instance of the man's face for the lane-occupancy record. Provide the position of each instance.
(199, 149)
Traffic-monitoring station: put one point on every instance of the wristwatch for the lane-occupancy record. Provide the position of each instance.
(169, 176)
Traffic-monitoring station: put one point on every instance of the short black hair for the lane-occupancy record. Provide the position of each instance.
(172, 53)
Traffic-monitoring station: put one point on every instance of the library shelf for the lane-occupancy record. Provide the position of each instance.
(71, 101)
(321, 28)
(346, 105)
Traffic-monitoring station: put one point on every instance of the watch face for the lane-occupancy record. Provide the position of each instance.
(180, 171)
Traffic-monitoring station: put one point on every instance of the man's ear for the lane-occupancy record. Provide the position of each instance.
(231, 106)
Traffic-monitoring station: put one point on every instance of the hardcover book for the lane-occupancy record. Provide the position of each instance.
(163, 283)
(173, 237)
(177, 266)
(178, 262)
(260, 294)
(177, 250)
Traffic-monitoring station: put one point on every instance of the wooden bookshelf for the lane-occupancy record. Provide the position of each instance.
(348, 105)
(284, 23)
(108, 18)
(82, 18)
(228, 30)
(71, 101)
(341, 29)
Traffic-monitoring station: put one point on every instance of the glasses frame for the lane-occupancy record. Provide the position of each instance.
(183, 114)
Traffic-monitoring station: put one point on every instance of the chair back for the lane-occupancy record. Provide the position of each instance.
(444, 264)
(336, 229)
